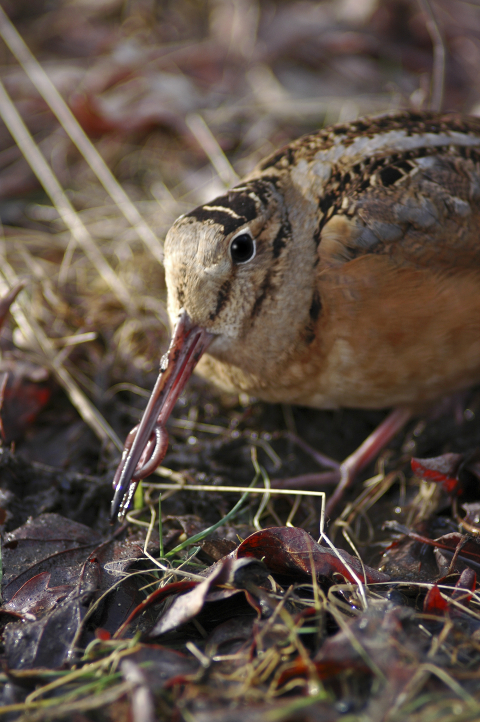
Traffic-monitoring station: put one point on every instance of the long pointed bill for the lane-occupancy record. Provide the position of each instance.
(146, 445)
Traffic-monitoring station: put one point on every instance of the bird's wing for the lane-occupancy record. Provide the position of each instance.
(428, 216)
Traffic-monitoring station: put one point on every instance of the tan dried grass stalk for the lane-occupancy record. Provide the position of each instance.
(54, 100)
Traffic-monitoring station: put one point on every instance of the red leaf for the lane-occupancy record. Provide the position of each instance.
(434, 602)
(325, 670)
(26, 392)
(287, 550)
(439, 469)
(155, 598)
(102, 634)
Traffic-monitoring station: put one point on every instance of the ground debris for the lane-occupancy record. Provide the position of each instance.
(214, 602)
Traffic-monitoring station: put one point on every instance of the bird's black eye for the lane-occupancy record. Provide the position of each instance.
(242, 248)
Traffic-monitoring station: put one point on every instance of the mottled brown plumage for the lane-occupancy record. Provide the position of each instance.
(363, 287)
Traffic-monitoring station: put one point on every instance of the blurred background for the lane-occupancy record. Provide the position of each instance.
(116, 116)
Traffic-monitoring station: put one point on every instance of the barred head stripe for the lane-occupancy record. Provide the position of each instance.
(222, 216)
(224, 209)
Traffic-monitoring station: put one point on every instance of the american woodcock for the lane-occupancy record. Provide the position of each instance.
(344, 271)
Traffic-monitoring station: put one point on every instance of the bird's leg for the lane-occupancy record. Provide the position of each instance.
(367, 451)
(347, 471)
(321, 459)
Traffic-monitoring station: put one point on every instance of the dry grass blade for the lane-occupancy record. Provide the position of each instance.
(361, 588)
(419, 680)
(235, 489)
(207, 141)
(438, 73)
(356, 644)
(71, 126)
(32, 331)
(56, 711)
(52, 187)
